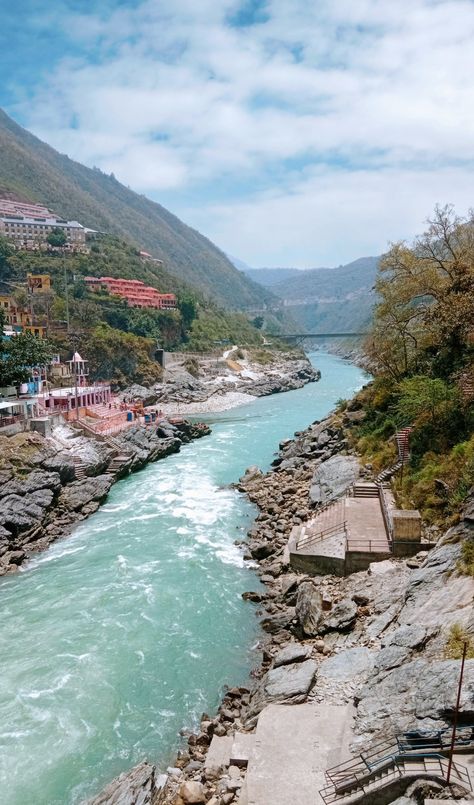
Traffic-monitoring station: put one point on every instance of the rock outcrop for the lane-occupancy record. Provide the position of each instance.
(42, 495)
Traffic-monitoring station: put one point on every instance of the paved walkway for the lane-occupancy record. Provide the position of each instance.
(365, 525)
(294, 745)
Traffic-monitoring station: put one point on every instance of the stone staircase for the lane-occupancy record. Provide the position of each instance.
(365, 490)
(80, 468)
(402, 438)
(357, 781)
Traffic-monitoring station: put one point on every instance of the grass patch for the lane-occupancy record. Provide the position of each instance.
(465, 564)
(455, 643)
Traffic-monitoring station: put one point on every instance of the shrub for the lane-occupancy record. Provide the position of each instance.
(455, 644)
(466, 562)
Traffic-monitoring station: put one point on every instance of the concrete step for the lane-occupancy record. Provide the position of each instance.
(219, 752)
(294, 745)
(242, 748)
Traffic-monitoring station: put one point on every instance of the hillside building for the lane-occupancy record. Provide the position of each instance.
(135, 292)
(38, 283)
(19, 318)
(31, 233)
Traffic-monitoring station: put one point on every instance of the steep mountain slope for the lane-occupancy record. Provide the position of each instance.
(269, 277)
(37, 172)
(326, 299)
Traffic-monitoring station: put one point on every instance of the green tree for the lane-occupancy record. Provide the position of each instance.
(258, 322)
(425, 312)
(188, 308)
(19, 353)
(420, 395)
(57, 237)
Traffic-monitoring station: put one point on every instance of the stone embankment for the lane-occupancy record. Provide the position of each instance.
(378, 641)
(47, 485)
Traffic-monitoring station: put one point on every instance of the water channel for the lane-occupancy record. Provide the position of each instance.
(121, 634)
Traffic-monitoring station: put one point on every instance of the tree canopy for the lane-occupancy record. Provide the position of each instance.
(19, 353)
(425, 314)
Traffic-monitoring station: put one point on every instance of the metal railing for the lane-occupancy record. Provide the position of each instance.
(313, 539)
(367, 545)
(385, 512)
(394, 766)
(392, 758)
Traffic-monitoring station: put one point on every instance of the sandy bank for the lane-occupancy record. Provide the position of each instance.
(213, 405)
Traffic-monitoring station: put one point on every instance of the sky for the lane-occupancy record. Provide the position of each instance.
(290, 132)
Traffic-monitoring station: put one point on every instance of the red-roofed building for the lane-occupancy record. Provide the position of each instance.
(135, 292)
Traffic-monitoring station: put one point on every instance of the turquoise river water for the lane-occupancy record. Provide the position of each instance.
(126, 631)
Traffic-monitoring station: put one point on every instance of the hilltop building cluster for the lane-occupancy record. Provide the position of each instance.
(28, 226)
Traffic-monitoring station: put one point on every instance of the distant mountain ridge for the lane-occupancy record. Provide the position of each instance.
(325, 299)
(36, 172)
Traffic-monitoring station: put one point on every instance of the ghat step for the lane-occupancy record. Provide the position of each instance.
(293, 747)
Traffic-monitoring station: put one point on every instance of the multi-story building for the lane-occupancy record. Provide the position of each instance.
(38, 283)
(135, 292)
(31, 234)
(19, 318)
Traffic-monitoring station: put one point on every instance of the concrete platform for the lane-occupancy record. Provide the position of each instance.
(294, 745)
(219, 752)
(365, 526)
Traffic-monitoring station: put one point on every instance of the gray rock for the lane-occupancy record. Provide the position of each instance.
(275, 623)
(333, 477)
(290, 683)
(342, 616)
(391, 657)
(293, 652)
(420, 689)
(410, 636)
(192, 792)
(309, 608)
(35, 480)
(347, 664)
(78, 494)
(139, 786)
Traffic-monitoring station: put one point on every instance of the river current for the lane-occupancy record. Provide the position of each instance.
(126, 631)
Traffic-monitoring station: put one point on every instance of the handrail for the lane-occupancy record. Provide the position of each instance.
(321, 535)
(391, 757)
(358, 780)
(385, 512)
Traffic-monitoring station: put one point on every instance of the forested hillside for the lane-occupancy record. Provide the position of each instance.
(421, 351)
(36, 172)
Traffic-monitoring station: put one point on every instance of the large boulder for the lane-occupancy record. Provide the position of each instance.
(309, 608)
(139, 786)
(290, 683)
(333, 477)
(342, 616)
(293, 652)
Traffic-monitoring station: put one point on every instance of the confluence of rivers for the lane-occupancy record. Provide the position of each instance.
(126, 631)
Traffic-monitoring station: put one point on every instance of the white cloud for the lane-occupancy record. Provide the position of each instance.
(355, 113)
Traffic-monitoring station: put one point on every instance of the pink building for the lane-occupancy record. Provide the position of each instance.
(135, 292)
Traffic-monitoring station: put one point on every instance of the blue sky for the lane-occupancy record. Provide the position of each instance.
(290, 133)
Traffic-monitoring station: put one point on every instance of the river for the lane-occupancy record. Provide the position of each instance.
(126, 631)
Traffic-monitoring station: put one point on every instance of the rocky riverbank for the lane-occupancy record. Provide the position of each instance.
(205, 384)
(47, 485)
(384, 640)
